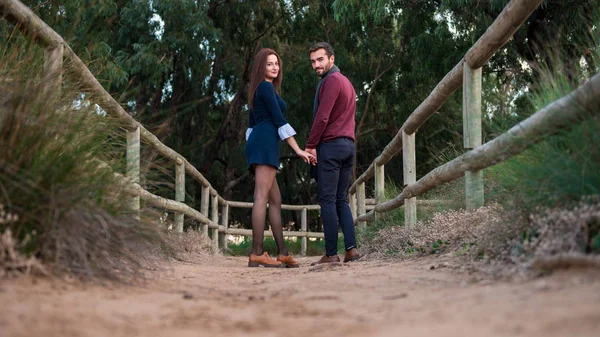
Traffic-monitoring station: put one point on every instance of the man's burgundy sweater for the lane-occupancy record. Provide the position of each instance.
(335, 116)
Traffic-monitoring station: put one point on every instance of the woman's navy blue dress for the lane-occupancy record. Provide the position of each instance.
(266, 127)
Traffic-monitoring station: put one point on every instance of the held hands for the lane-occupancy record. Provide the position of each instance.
(307, 156)
(312, 152)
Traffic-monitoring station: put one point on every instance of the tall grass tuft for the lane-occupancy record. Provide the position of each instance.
(68, 212)
(560, 170)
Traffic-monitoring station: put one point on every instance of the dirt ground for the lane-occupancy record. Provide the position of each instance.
(220, 296)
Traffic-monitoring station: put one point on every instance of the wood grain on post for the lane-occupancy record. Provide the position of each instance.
(361, 203)
(225, 225)
(204, 205)
(214, 217)
(472, 107)
(179, 193)
(472, 134)
(133, 163)
(352, 201)
(474, 195)
(409, 164)
(379, 184)
(303, 228)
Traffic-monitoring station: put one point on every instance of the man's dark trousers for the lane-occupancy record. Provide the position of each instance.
(336, 159)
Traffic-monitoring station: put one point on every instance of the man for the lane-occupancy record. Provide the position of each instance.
(331, 140)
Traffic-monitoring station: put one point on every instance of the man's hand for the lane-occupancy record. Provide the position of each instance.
(307, 157)
(314, 153)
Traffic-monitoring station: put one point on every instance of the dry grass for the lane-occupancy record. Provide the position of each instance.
(13, 263)
(501, 242)
(446, 230)
(65, 211)
(190, 245)
(565, 231)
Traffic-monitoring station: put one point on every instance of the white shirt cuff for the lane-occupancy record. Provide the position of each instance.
(286, 131)
(248, 132)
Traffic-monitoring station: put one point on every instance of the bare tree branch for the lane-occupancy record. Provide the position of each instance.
(371, 130)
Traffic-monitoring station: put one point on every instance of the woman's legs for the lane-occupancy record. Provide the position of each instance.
(275, 217)
(264, 178)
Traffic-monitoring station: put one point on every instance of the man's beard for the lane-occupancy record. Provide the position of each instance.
(324, 72)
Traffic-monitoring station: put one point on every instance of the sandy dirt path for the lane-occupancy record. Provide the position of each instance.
(219, 296)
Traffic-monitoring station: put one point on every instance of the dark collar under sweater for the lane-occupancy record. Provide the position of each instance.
(333, 69)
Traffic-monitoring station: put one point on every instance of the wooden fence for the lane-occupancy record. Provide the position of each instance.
(214, 212)
(468, 72)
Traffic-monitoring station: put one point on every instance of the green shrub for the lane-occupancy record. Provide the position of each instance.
(71, 213)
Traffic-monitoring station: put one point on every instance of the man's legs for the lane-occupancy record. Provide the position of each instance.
(343, 209)
(328, 170)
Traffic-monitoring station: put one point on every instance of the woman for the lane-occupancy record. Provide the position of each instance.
(265, 129)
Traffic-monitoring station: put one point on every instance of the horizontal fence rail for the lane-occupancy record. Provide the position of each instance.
(567, 110)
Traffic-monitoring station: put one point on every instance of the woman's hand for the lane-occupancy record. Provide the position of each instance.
(313, 152)
(307, 157)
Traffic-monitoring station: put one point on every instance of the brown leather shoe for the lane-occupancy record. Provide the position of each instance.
(263, 260)
(287, 261)
(351, 255)
(327, 259)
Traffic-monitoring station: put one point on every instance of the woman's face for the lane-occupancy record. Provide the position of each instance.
(272, 68)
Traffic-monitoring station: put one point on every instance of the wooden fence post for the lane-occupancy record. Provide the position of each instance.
(214, 217)
(179, 192)
(204, 204)
(352, 201)
(379, 185)
(52, 73)
(224, 223)
(472, 133)
(409, 164)
(361, 200)
(303, 228)
(133, 164)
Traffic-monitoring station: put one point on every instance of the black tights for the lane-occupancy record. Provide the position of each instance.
(266, 189)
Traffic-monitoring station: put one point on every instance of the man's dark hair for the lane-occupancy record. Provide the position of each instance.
(322, 45)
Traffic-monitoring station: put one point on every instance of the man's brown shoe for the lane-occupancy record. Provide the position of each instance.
(287, 261)
(263, 260)
(351, 255)
(327, 259)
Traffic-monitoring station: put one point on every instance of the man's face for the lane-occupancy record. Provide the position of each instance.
(320, 62)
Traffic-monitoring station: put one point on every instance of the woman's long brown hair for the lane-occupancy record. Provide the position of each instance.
(258, 73)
